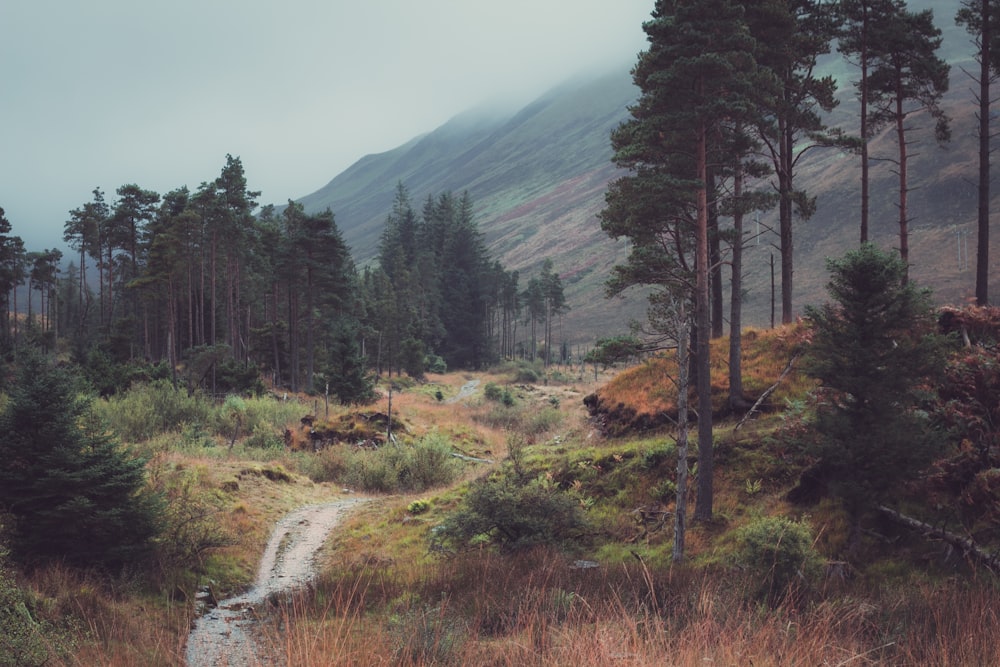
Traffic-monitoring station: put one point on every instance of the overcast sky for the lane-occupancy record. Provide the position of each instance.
(157, 92)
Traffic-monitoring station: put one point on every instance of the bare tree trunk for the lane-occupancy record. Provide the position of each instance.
(680, 510)
(864, 123)
(785, 211)
(983, 227)
(904, 235)
(736, 400)
(703, 510)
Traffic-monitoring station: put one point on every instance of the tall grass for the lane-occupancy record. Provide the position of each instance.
(424, 464)
(537, 610)
(156, 408)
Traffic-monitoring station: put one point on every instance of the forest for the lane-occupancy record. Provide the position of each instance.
(198, 280)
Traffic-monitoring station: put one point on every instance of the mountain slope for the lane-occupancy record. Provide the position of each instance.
(537, 178)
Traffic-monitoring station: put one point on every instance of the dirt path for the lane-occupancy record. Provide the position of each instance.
(223, 637)
(468, 389)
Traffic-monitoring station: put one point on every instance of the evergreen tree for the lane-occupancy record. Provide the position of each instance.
(907, 78)
(345, 373)
(874, 350)
(11, 272)
(790, 36)
(555, 303)
(986, 38)
(73, 493)
(855, 40)
(699, 81)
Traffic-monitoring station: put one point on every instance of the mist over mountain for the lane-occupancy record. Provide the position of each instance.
(537, 177)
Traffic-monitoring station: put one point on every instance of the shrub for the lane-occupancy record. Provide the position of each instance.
(526, 375)
(514, 515)
(492, 392)
(778, 555)
(425, 464)
(418, 507)
(21, 639)
(436, 364)
(150, 409)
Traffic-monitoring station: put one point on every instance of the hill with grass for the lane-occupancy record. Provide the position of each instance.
(538, 175)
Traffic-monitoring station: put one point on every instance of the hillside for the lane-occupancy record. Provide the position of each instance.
(538, 176)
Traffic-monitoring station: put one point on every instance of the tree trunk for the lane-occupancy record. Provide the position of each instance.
(703, 510)
(983, 227)
(904, 235)
(864, 123)
(680, 510)
(715, 260)
(785, 221)
(736, 400)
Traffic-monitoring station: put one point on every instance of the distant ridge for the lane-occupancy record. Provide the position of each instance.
(538, 175)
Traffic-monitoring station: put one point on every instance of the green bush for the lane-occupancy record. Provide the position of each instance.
(778, 556)
(425, 464)
(492, 392)
(514, 515)
(21, 640)
(526, 375)
(418, 507)
(73, 494)
(540, 422)
(435, 364)
(150, 409)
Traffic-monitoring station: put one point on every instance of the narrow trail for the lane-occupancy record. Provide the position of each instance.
(468, 389)
(223, 637)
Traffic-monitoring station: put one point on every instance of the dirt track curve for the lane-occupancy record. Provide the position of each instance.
(224, 636)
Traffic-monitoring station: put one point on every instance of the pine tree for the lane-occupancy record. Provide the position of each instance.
(698, 82)
(874, 350)
(74, 494)
(986, 38)
(907, 78)
(790, 36)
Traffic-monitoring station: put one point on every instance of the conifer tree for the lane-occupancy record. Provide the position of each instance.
(907, 78)
(698, 80)
(875, 349)
(74, 494)
(981, 19)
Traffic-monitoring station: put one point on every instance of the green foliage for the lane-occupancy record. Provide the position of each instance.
(875, 351)
(492, 391)
(149, 409)
(234, 377)
(73, 493)
(190, 526)
(22, 643)
(778, 556)
(609, 351)
(418, 507)
(412, 358)
(502, 395)
(514, 514)
(109, 377)
(345, 373)
(435, 364)
(425, 464)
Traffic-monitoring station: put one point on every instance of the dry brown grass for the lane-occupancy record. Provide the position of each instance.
(648, 389)
(535, 610)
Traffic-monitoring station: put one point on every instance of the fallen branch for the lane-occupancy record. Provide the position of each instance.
(769, 391)
(965, 544)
